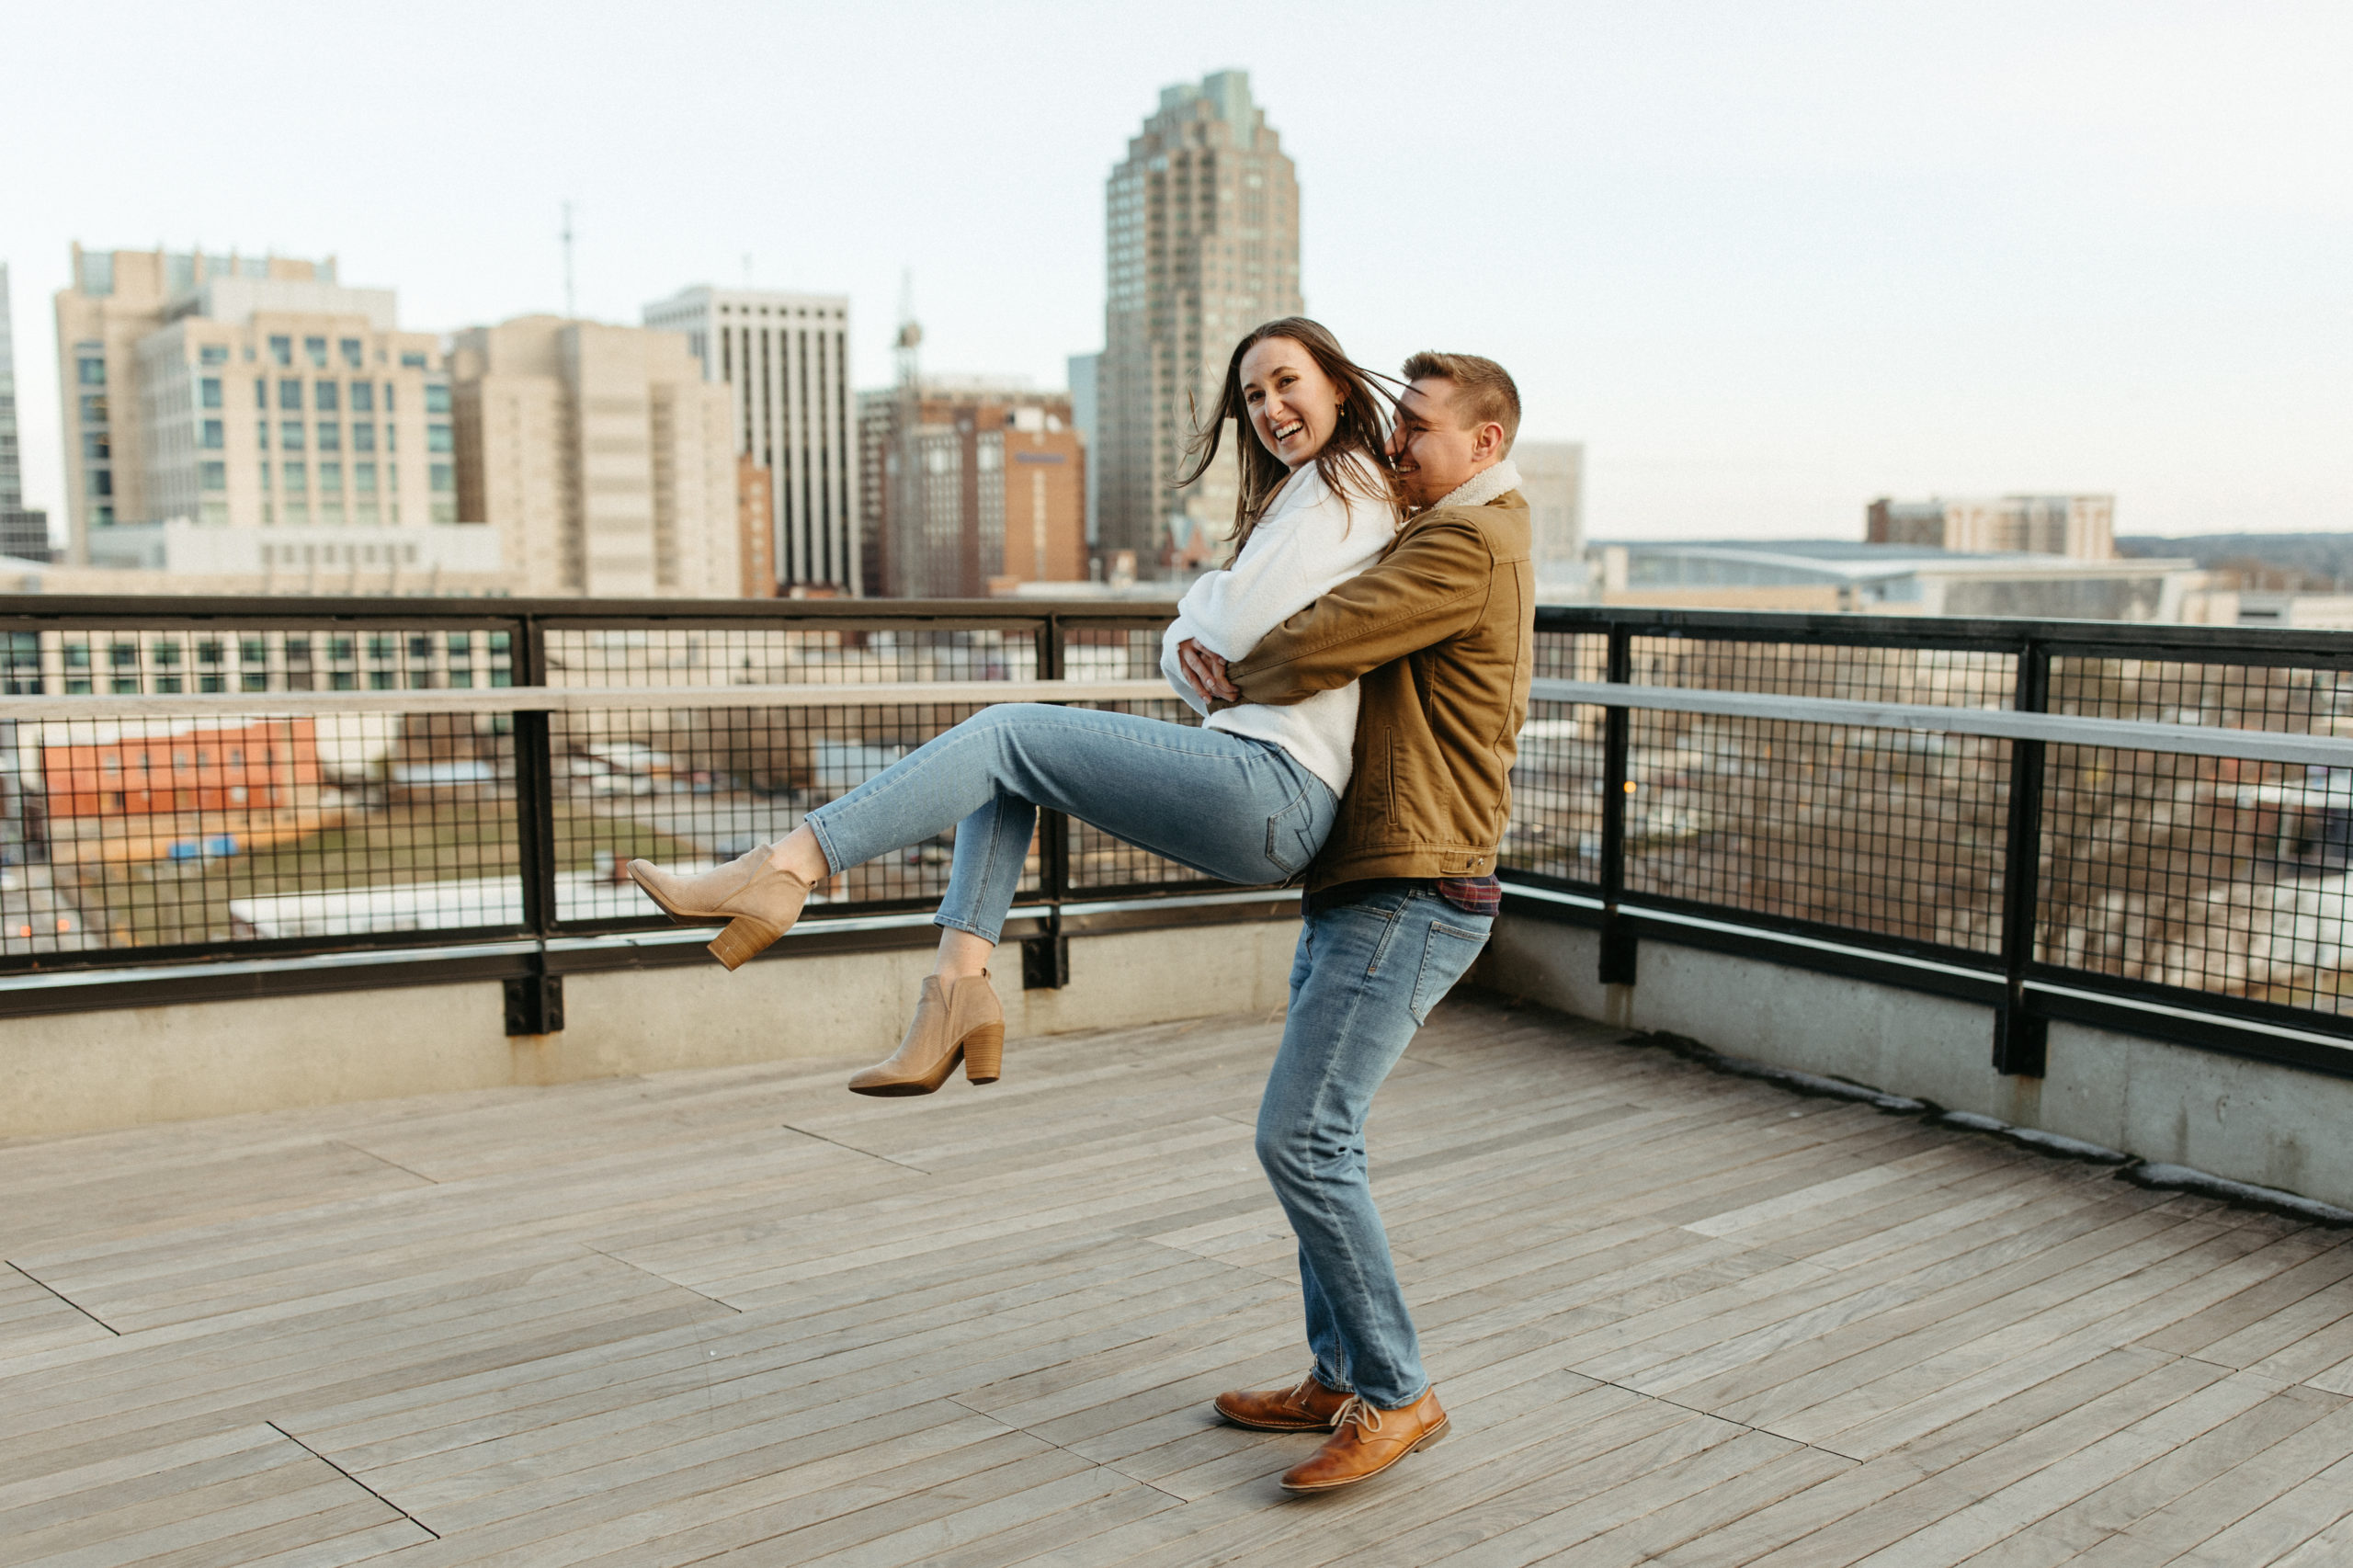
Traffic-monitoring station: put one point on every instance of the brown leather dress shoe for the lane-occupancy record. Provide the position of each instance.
(1305, 1406)
(1365, 1442)
(756, 902)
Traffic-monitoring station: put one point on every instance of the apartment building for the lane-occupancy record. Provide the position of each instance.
(1551, 478)
(784, 359)
(2083, 527)
(600, 455)
(247, 392)
(983, 490)
(24, 534)
(1202, 244)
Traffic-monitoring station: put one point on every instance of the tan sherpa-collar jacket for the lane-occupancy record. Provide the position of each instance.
(1441, 632)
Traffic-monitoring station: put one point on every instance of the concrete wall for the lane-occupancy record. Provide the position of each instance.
(2248, 1121)
(81, 1071)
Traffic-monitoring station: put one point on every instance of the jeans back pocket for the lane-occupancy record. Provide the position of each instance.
(1447, 955)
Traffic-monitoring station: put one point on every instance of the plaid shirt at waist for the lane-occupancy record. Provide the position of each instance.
(1473, 895)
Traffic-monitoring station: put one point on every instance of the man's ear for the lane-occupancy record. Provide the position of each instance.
(1490, 443)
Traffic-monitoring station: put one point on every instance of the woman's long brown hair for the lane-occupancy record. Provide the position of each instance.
(1360, 428)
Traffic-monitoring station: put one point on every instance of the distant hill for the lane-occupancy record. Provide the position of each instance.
(2313, 563)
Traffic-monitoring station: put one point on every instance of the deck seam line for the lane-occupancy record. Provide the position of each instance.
(1098, 1464)
(66, 1299)
(1727, 1420)
(651, 1274)
(346, 1143)
(355, 1481)
(855, 1148)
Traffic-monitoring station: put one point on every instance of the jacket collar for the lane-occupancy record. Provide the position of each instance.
(1484, 486)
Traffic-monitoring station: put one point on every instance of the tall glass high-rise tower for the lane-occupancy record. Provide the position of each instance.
(1203, 245)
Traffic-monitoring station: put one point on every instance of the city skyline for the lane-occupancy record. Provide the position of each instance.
(1764, 268)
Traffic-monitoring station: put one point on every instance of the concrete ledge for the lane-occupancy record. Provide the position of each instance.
(2256, 1122)
(83, 1072)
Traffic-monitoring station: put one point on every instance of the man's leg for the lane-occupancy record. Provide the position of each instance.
(1377, 963)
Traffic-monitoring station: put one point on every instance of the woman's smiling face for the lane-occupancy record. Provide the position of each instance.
(1293, 404)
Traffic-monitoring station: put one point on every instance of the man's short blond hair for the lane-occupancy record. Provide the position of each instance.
(1483, 390)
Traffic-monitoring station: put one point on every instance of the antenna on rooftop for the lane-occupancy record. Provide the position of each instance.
(569, 310)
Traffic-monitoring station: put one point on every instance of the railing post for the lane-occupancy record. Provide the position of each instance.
(1617, 936)
(534, 1001)
(2020, 1035)
(1045, 960)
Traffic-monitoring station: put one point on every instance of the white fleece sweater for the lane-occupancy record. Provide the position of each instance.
(1309, 542)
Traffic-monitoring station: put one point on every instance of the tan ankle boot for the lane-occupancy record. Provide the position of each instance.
(756, 902)
(951, 1022)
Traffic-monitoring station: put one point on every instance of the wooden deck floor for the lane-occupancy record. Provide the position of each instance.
(743, 1315)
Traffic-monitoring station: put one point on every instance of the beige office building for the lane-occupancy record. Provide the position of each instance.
(600, 455)
(2082, 527)
(248, 393)
(784, 360)
(1551, 478)
(1202, 233)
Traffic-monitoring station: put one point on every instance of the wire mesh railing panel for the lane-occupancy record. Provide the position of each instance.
(1941, 677)
(226, 831)
(2208, 874)
(779, 655)
(1893, 833)
(1556, 779)
(68, 660)
(2286, 699)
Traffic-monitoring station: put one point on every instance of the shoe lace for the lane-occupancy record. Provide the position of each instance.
(1367, 1418)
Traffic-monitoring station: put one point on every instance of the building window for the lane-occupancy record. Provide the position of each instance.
(437, 398)
(297, 476)
(412, 362)
(261, 392)
(282, 351)
(265, 474)
(344, 680)
(331, 477)
(94, 408)
(363, 477)
(325, 396)
(392, 437)
(363, 437)
(95, 446)
(93, 372)
(207, 391)
(125, 655)
(436, 439)
(215, 475)
(213, 435)
(363, 397)
(252, 680)
(444, 477)
(330, 437)
(353, 354)
(290, 435)
(315, 350)
(290, 394)
(214, 354)
(102, 482)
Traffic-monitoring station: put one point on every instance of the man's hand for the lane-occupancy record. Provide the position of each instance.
(1206, 671)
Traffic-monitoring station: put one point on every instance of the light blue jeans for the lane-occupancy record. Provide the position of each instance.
(1373, 959)
(1234, 808)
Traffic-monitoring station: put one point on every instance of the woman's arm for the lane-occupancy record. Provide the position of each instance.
(1287, 566)
(1173, 666)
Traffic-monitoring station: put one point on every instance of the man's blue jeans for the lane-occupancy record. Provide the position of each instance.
(1234, 808)
(1374, 957)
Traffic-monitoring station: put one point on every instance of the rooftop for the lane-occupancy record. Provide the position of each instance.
(737, 1315)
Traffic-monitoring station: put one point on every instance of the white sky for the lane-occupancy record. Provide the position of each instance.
(1766, 260)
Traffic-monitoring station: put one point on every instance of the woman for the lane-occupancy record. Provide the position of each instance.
(1246, 797)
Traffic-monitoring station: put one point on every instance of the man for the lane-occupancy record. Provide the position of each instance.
(1441, 631)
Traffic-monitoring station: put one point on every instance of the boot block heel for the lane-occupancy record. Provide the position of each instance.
(984, 1053)
(744, 940)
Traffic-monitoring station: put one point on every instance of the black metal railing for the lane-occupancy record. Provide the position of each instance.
(2144, 826)
(2147, 826)
(265, 779)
